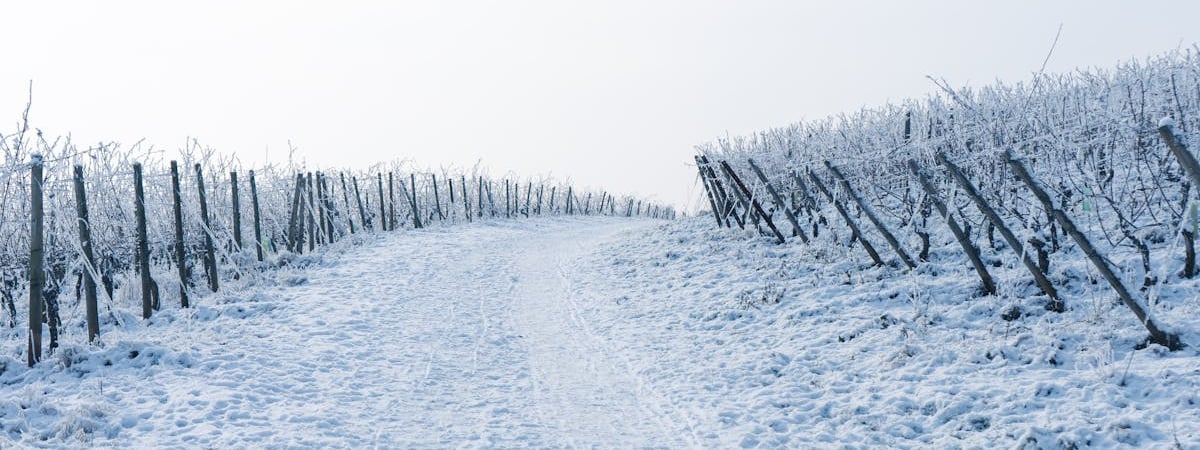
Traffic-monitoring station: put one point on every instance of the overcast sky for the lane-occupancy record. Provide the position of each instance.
(610, 94)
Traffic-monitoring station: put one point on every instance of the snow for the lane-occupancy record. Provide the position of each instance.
(617, 333)
(1166, 121)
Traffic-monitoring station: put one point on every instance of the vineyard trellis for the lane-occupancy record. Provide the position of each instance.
(1094, 162)
(140, 225)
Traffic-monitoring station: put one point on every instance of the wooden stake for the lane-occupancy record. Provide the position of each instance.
(753, 202)
(210, 255)
(143, 242)
(258, 235)
(866, 209)
(964, 241)
(37, 274)
(180, 252)
(796, 230)
(857, 233)
(89, 258)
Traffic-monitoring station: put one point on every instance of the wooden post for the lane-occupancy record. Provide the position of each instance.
(210, 255)
(330, 207)
(466, 201)
(437, 200)
(362, 213)
(37, 274)
(753, 202)
(311, 214)
(450, 187)
(412, 178)
(143, 242)
(797, 231)
(1157, 336)
(551, 206)
(237, 212)
(1181, 153)
(479, 196)
(383, 223)
(89, 258)
(964, 241)
(857, 233)
(866, 209)
(346, 199)
(258, 235)
(507, 197)
(1039, 277)
(296, 218)
(541, 187)
(391, 201)
(728, 206)
(587, 205)
(528, 197)
(712, 202)
(323, 229)
(491, 200)
(180, 252)
(570, 197)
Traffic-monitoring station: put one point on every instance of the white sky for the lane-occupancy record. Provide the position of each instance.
(610, 94)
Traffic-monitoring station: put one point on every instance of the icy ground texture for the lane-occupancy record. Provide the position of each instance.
(614, 333)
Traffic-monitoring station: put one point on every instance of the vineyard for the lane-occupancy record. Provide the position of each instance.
(108, 234)
(1090, 166)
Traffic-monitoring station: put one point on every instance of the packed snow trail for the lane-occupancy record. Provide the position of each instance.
(455, 337)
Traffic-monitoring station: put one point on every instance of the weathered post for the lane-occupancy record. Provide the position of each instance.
(779, 204)
(437, 199)
(237, 212)
(258, 237)
(383, 223)
(89, 257)
(466, 201)
(391, 202)
(37, 274)
(412, 178)
(857, 233)
(753, 202)
(362, 212)
(866, 209)
(346, 199)
(143, 242)
(180, 253)
(570, 197)
(1157, 336)
(1039, 276)
(964, 241)
(310, 213)
(210, 255)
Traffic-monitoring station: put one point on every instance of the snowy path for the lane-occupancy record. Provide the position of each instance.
(445, 338)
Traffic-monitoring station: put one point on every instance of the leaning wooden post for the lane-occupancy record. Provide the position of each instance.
(507, 197)
(964, 241)
(210, 254)
(857, 233)
(551, 205)
(346, 199)
(1181, 153)
(362, 213)
(587, 204)
(143, 242)
(728, 206)
(753, 202)
(383, 223)
(866, 209)
(89, 258)
(258, 237)
(437, 199)
(570, 196)
(180, 252)
(412, 179)
(37, 274)
(712, 203)
(1157, 336)
(1039, 277)
(779, 201)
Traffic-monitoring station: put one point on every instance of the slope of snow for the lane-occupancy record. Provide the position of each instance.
(617, 333)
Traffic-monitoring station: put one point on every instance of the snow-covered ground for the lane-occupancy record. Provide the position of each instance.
(616, 333)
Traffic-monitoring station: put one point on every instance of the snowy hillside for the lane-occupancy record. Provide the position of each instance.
(616, 333)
